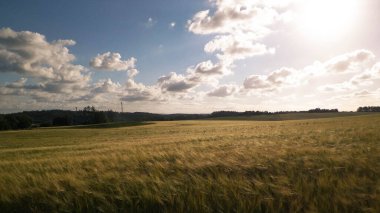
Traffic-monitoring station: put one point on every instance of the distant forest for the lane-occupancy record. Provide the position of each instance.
(89, 115)
(369, 109)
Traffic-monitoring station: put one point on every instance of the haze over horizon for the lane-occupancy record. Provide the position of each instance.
(199, 56)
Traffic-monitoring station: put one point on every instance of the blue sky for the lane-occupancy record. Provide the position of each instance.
(249, 54)
(116, 26)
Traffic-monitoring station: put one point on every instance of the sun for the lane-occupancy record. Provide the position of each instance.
(327, 19)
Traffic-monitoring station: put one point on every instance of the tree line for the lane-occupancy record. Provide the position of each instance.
(253, 113)
(319, 110)
(90, 115)
(15, 121)
(369, 109)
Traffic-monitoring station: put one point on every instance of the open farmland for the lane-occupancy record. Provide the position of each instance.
(318, 165)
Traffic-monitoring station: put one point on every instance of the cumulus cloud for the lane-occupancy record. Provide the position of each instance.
(231, 16)
(364, 78)
(359, 64)
(205, 72)
(17, 84)
(15, 88)
(134, 92)
(339, 87)
(238, 25)
(112, 62)
(256, 82)
(361, 95)
(175, 83)
(376, 69)
(322, 82)
(208, 68)
(350, 62)
(132, 73)
(106, 86)
(48, 63)
(366, 75)
(232, 47)
(29, 53)
(48, 73)
(172, 25)
(105, 90)
(275, 80)
(223, 91)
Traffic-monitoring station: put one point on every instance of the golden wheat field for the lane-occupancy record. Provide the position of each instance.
(318, 165)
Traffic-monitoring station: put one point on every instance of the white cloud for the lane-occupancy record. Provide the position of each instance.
(106, 86)
(48, 74)
(366, 76)
(172, 25)
(17, 84)
(175, 83)
(29, 54)
(54, 79)
(132, 73)
(257, 82)
(134, 92)
(112, 62)
(206, 70)
(238, 26)
(232, 16)
(223, 91)
(339, 87)
(48, 63)
(203, 73)
(361, 94)
(234, 47)
(274, 81)
(361, 73)
(350, 62)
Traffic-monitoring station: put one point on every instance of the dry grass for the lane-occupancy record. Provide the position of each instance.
(324, 165)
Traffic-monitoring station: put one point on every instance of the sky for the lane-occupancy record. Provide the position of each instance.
(180, 56)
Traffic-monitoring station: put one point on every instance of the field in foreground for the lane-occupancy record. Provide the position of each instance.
(322, 165)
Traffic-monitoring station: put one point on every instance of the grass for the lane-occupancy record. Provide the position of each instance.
(321, 165)
(292, 116)
(110, 125)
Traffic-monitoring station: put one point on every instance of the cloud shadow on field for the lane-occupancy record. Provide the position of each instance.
(110, 125)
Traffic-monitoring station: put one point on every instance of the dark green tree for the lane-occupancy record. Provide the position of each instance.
(23, 121)
(100, 117)
(3, 123)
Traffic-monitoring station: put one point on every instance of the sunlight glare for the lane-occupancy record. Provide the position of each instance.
(326, 20)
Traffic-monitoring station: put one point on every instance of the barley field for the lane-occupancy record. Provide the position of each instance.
(311, 165)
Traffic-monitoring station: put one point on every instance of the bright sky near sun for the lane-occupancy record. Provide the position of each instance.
(326, 19)
(179, 56)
